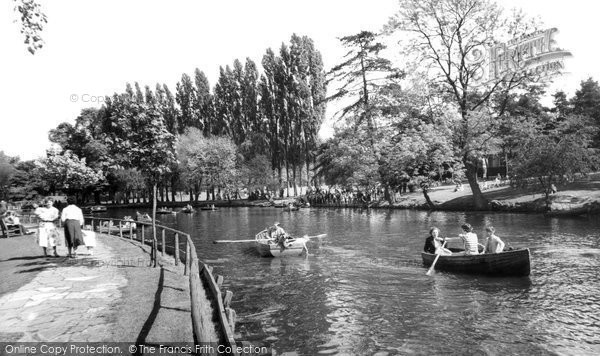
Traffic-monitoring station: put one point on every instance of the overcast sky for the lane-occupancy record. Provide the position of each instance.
(94, 47)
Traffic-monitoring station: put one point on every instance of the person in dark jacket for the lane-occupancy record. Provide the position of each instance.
(433, 243)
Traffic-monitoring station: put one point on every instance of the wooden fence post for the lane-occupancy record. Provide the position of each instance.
(186, 270)
(120, 229)
(176, 249)
(143, 240)
(163, 242)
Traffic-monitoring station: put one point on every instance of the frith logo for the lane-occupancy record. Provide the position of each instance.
(535, 53)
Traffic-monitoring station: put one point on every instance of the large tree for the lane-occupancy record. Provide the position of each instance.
(586, 102)
(444, 41)
(141, 138)
(555, 156)
(363, 76)
(66, 172)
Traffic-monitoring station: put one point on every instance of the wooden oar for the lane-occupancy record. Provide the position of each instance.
(232, 241)
(435, 261)
(253, 240)
(314, 237)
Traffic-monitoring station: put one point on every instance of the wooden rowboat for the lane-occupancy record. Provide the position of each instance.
(268, 248)
(114, 229)
(507, 263)
(165, 211)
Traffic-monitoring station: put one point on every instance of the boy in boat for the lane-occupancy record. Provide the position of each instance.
(493, 244)
(469, 239)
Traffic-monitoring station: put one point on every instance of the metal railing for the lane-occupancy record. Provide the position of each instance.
(196, 270)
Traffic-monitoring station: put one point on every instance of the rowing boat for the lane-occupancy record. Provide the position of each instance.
(267, 247)
(111, 228)
(507, 263)
(165, 211)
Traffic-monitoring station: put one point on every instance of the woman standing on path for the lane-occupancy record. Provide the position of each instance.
(47, 233)
(72, 217)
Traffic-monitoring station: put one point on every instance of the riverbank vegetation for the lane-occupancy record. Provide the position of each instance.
(418, 105)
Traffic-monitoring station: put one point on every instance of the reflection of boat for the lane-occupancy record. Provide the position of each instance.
(507, 263)
(211, 208)
(165, 211)
(291, 208)
(142, 217)
(267, 247)
(188, 209)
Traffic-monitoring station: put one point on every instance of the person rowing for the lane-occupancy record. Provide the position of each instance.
(278, 235)
(469, 239)
(433, 243)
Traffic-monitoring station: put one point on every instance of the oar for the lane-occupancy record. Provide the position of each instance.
(253, 240)
(435, 261)
(314, 237)
(232, 241)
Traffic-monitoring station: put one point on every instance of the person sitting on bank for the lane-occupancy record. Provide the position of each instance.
(11, 218)
(493, 244)
(469, 239)
(433, 243)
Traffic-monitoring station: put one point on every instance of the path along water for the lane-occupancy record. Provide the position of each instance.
(107, 296)
(363, 289)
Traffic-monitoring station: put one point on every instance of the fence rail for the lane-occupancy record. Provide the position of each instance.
(170, 241)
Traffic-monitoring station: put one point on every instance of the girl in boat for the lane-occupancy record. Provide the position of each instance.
(469, 239)
(433, 243)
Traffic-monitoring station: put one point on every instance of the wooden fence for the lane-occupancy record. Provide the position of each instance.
(170, 242)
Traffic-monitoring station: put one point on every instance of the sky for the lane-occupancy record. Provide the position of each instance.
(94, 47)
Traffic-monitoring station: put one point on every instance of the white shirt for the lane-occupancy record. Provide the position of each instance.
(47, 214)
(72, 212)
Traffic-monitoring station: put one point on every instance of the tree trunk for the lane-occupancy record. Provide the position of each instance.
(428, 199)
(294, 168)
(280, 175)
(287, 179)
(479, 201)
(173, 190)
(387, 196)
(307, 171)
(506, 164)
(154, 243)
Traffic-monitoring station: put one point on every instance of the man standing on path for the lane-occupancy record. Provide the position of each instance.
(72, 217)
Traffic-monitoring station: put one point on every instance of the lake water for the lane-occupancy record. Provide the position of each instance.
(363, 289)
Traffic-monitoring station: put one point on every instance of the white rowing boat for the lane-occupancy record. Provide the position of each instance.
(267, 247)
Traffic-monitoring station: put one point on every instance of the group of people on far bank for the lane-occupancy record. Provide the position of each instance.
(435, 244)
